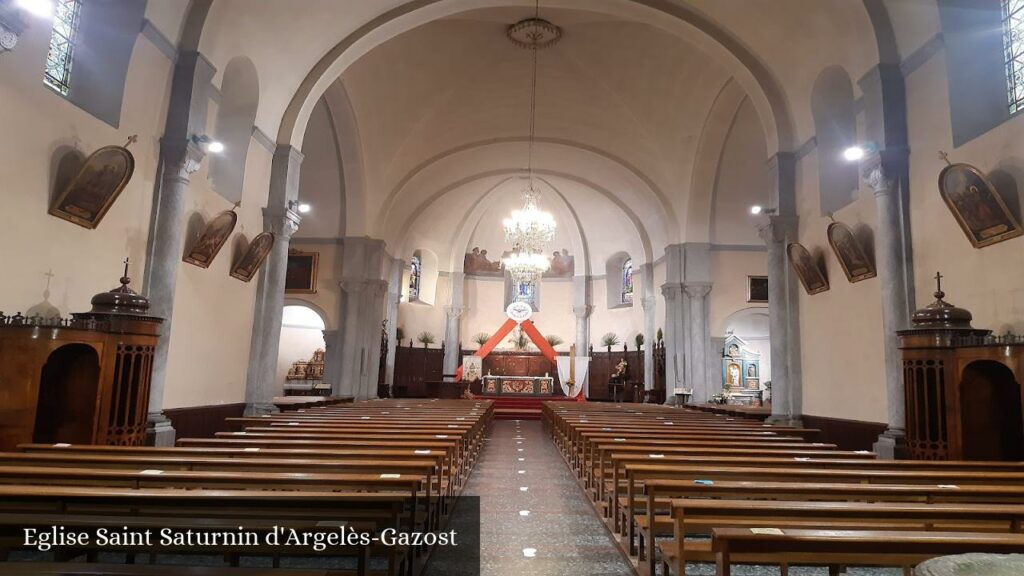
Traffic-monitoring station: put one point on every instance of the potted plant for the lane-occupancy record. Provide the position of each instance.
(660, 337)
(425, 338)
(639, 339)
(519, 340)
(553, 340)
(399, 334)
(481, 338)
(608, 340)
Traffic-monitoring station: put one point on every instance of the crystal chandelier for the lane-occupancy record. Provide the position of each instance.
(530, 229)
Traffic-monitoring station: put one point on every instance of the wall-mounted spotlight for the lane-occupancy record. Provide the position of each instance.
(12, 19)
(208, 144)
(757, 210)
(300, 207)
(858, 153)
(304, 208)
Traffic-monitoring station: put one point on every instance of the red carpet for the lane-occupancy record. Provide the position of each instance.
(520, 407)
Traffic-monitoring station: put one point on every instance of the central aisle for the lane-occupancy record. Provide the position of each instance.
(535, 519)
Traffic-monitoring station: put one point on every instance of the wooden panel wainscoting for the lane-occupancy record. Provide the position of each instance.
(202, 421)
(846, 434)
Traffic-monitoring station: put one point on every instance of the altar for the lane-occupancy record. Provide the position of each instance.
(518, 385)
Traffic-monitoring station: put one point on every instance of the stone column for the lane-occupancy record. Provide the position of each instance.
(261, 386)
(179, 158)
(649, 304)
(283, 222)
(876, 171)
(582, 329)
(372, 333)
(675, 340)
(330, 364)
(699, 339)
(349, 353)
(783, 319)
(394, 297)
(452, 328)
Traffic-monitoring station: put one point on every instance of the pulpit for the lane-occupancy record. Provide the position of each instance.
(79, 380)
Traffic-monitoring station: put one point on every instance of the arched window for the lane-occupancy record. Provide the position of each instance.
(1013, 41)
(415, 277)
(240, 96)
(835, 122)
(626, 297)
(67, 15)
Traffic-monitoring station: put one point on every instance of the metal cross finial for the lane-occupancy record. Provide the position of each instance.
(945, 158)
(125, 280)
(938, 281)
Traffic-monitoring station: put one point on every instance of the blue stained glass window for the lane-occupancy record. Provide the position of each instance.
(526, 293)
(627, 281)
(415, 275)
(1013, 43)
(67, 15)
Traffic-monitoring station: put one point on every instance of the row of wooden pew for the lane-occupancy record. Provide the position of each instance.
(368, 466)
(666, 479)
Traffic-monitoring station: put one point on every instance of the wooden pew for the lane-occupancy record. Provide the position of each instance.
(855, 547)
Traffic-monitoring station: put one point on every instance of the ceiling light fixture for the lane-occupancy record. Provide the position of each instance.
(304, 208)
(208, 144)
(41, 8)
(529, 230)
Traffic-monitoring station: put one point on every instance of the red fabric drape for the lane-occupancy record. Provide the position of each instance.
(539, 341)
(490, 344)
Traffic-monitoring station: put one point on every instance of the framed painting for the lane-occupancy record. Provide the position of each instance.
(300, 277)
(214, 235)
(855, 262)
(757, 289)
(977, 207)
(249, 264)
(95, 187)
(807, 269)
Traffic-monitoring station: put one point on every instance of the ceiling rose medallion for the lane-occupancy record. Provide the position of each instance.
(533, 33)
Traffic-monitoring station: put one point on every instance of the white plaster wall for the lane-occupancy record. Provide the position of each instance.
(729, 271)
(296, 344)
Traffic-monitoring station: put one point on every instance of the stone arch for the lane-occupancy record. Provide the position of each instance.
(835, 122)
(240, 99)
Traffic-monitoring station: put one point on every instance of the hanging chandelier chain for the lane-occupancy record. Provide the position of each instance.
(533, 114)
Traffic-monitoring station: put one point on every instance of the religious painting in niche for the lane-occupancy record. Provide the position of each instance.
(300, 276)
(806, 269)
(96, 186)
(977, 206)
(476, 263)
(212, 239)
(563, 264)
(855, 262)
(253, 258)
(757, 289)
(472, 368)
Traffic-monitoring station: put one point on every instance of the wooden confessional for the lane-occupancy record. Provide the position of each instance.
(963, 387)
(82, 380)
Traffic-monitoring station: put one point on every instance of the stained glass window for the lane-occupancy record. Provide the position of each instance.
(67, 15)
(627, 280)
(415, 275)
(1013, 43)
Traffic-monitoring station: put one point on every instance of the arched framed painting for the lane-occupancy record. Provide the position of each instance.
(212, 239)
(253, 258)
(807, 269)
(977, 206)
(855, 262)
(95, 187)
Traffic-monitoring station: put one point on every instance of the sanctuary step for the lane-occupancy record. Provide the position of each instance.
(520, 408)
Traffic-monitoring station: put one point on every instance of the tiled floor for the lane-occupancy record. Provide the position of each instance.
(535, 520)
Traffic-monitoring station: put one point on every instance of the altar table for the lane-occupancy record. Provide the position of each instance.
(518, 385)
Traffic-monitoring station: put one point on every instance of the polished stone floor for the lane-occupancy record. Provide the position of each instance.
(534, 519)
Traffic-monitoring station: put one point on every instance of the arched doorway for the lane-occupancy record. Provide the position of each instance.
(68, 390)
(300, 360)
(990, 412)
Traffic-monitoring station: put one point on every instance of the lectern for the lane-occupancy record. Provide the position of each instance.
(81, 380)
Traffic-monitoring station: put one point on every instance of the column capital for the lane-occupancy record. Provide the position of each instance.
(777, 228)
(648, 303)
(453, 312)
(352, 286)
(697, 289)
(180, 155)
(582, 312)
(672, 290)
(283, 223)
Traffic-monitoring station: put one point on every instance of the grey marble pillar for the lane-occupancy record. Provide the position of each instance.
(876, 172)
(699, 338)
(261, 386)
(650, 306)
(372, 331)
(783, 319)
(582, 314)
(452, 327)
(280, 218)
(675, 340)
(179, 158)
(349, 354)
(394, 297)
(330, 363)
